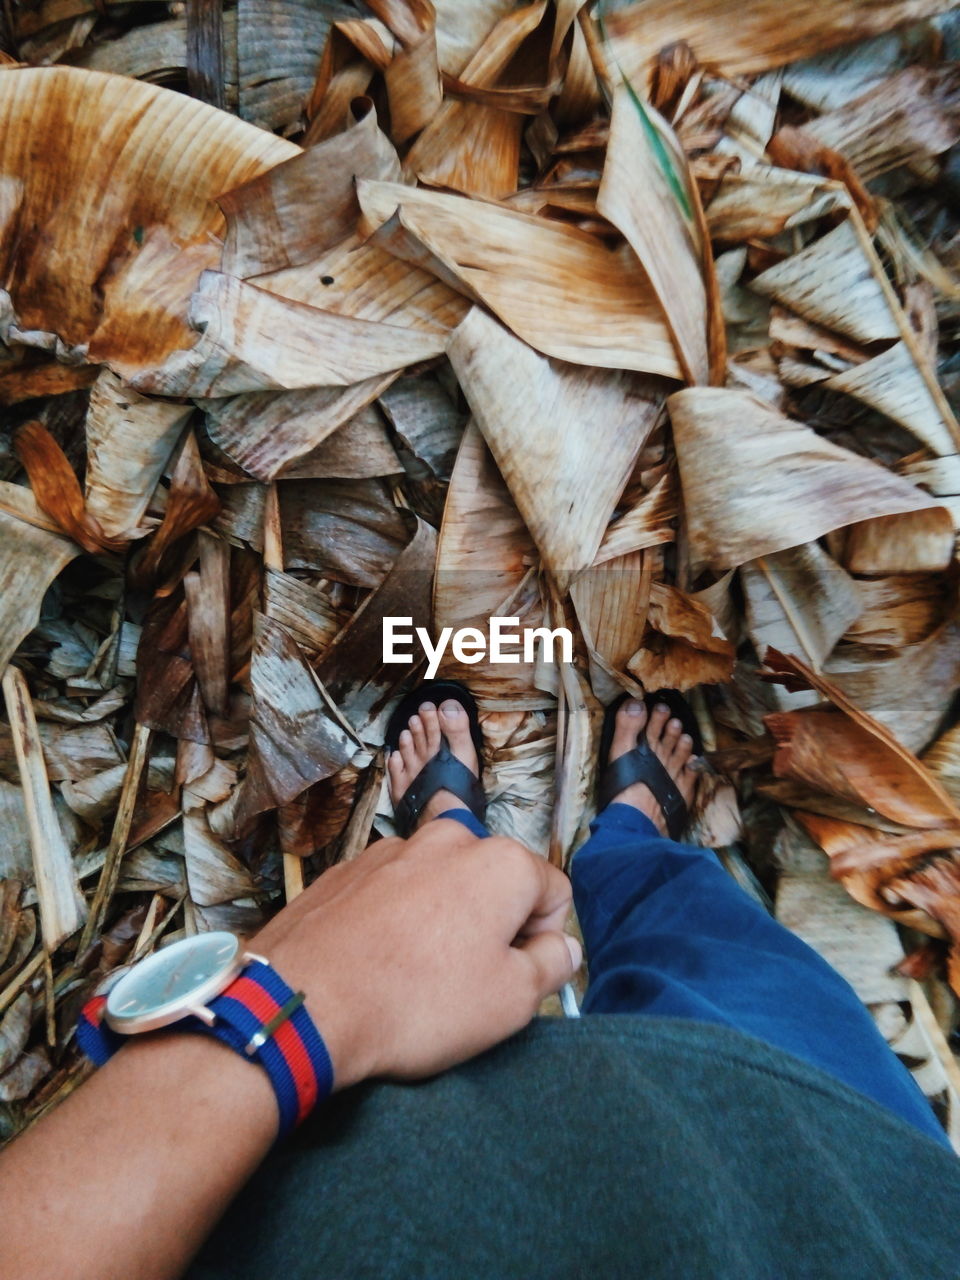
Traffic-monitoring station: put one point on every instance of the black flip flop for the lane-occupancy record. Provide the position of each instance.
(641, 765)
(442, 772)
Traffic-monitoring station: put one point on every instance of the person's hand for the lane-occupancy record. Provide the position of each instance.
(423, 952)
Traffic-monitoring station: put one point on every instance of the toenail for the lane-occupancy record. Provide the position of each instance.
(452, 709)
(406, 736)
(686, 740)
(675, 724)
(427, 706)
(662, 708)
(634, 708)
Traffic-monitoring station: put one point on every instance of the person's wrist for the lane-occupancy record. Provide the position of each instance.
(341, 1022)
(208, 1074)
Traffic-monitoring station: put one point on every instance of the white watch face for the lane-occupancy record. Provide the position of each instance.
(173, 982)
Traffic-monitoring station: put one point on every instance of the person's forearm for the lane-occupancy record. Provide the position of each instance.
(128, 1176)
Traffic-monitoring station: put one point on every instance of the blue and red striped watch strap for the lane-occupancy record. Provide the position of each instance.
(293, 1054)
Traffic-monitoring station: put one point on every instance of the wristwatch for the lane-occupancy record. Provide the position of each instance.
(209, 984)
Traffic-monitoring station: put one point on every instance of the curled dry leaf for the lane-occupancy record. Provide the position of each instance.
(684, 645)
(767, 33)
(163, 158)
(907, 118)
(240, 347)
(646, 191)
(296, 737)
(755, 481)
(799, 601)
(831, 753)
(129, 441)
(486, 567)
(57, 489)
(533, 413)
(474, 146)
(291, 214)
(555, 287)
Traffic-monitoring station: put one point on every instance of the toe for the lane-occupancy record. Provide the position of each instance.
(419, 736)
(629, 724)
(681, 753)
(431, 727)
(658, 720)
(408, 752)
(455, 724)
(395, 766)
(671, 736)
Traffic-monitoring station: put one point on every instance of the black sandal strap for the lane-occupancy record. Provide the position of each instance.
(641, 765)
(442, 772)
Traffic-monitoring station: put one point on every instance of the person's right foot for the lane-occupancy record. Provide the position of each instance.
(672, 747)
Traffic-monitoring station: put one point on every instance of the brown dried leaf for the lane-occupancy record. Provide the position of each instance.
(191, 502)
(767, 33)
(545, 424)
(470, 146)
(636, 195)
(755, 482)
(295, 736)
(112, 278)
(484, 569)
(907, 118)
(254, 340)
(294, 212)
(555, 287)
(684, 646)
(799, 601)
(57, 489)
(129, 441)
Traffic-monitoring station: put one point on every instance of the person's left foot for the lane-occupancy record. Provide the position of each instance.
(420, 741)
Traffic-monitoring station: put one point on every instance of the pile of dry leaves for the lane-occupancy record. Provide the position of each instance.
(628, 318)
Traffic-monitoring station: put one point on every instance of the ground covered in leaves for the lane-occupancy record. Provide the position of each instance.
(638, 319)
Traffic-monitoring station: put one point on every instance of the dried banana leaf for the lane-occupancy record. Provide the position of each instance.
(269, 433)
(356, 451)
(462, 28)
(766, 201)
(129, 442)
(30, 559)
(350, 531)
(279, 43)
(647, 193)
(755, 482)
(352, 668)
(907, 119)
(611, 605)
(157, 52)
(112, 280)
(546, 424)
(473, 146)
(684, 646)
(252, 340)
(295, 736)
(892, 383)
(485, 568)
(799, 601)
(831, 283)
(762, 34)
(556, 288)
(907, 689)
(296, 211)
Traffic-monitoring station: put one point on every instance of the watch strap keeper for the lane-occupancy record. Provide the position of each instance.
(262, 1019)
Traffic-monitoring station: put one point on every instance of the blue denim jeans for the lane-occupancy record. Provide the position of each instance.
(668, 931)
